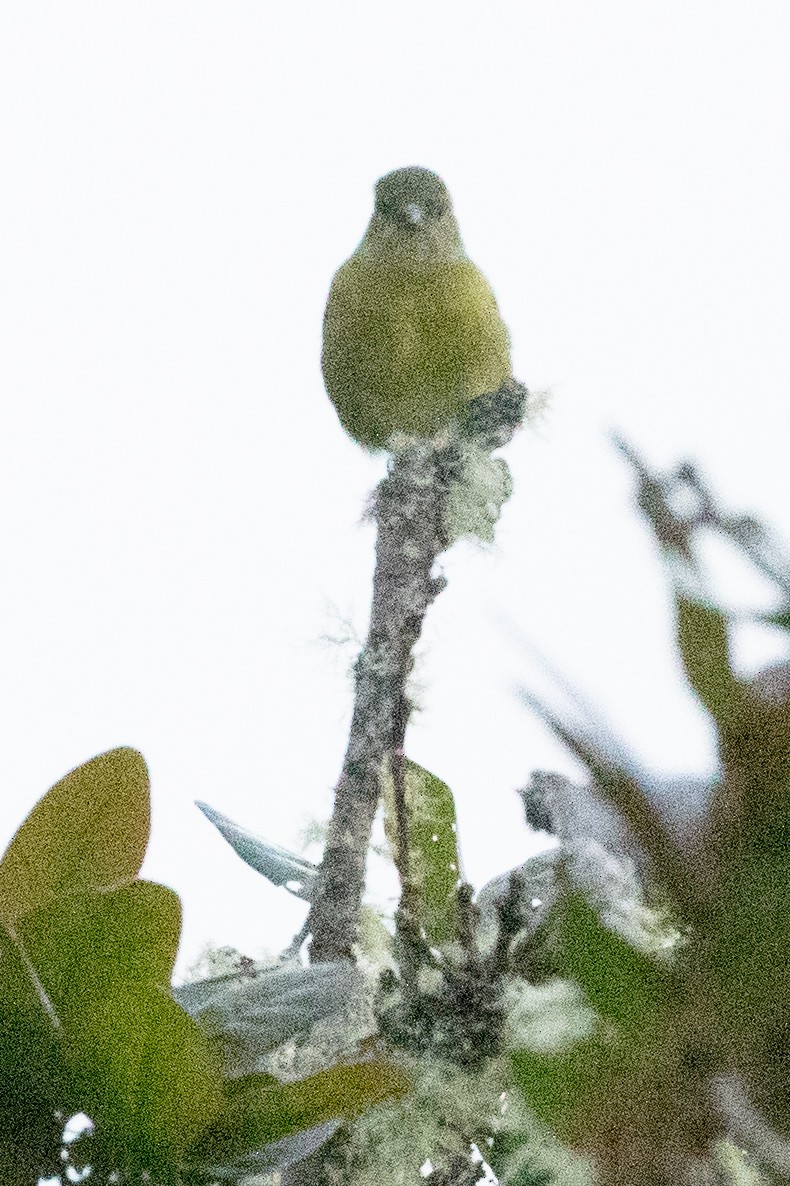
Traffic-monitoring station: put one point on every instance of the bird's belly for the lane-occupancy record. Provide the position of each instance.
(409, 353)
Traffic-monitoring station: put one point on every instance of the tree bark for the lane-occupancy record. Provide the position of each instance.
(409, 514)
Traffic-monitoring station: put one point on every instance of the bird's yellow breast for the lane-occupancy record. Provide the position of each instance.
(406, 349)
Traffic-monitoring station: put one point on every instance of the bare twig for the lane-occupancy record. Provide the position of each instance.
(397, 762)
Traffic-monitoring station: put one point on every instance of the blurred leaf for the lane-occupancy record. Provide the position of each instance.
(280, 866)
(748, 941)
(654, 498)
(629, 795)
(752, 810)
(253, 1016)
(433, 860)
(780, 618)
(512, 1157)
(623, 985)
(278, 1155)
(86, 943)
(561, 1087)
(260, 1110)
(704, 649)
(536, 893)
(149, 1078)
(89, 831)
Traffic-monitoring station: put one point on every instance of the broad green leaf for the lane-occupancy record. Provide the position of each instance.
(622, 984)
(86, 943)
(32, 1070)
(104, 959)
(748, 941)
(149, 1077)
(278, 1155)
(346, 1090)
(704, 649)
(259, 1110)
(278, 865)
(90, 831)
(433, 860)
(561, 1087)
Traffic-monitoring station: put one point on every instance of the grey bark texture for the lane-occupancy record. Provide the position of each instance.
(409, 506)
(411, 521)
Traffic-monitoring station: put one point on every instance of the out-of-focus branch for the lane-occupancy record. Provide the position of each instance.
(680, 503)
(623, 790)
(749, 1127)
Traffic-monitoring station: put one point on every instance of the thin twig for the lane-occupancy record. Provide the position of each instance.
(397, 763)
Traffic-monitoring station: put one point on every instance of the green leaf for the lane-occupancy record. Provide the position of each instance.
(149, 1077)
(32, 1069)
(704, 649)
(90, 831)
(260, 1110)
(343, 1090)
(622, 984)
(84, 944)
(560, 1087)
(87, 952)
(279, 1155)
(433, 860)
(747, 939)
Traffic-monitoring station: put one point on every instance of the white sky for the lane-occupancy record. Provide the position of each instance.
(180, 507)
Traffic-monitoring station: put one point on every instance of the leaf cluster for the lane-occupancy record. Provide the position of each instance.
(642, 1092)
(89, 1023)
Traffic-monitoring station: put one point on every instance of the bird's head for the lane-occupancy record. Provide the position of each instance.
(413, 224)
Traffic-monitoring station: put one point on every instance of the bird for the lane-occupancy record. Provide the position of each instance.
(412, 332)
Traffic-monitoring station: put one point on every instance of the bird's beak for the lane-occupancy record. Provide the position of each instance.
(413, 214)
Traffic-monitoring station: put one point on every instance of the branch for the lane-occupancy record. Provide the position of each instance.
(408, 512)
(679, 504)
(410, 515)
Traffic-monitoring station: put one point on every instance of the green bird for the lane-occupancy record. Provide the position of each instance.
(412, 331)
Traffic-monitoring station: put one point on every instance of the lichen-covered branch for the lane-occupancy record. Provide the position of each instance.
(411, 521)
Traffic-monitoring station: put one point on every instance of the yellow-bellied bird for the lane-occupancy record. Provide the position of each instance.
(412, 331)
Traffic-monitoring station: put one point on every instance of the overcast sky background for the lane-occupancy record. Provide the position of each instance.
(180, 509)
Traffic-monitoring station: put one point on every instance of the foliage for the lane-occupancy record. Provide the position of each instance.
(638, 1092)
(432, 849)
(89, 1023)
(588, 1017)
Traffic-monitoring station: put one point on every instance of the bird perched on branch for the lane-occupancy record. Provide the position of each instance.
(412, 332)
